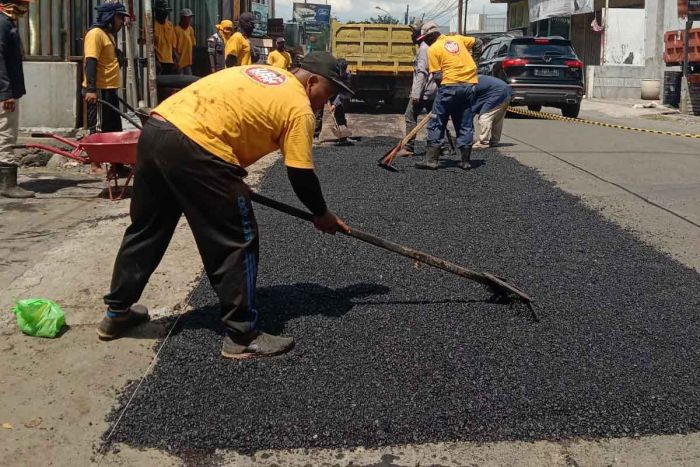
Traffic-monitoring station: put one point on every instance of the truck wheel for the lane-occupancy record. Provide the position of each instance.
(534, 108)
(571, 110)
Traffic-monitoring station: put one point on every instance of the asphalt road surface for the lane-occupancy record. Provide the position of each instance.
(389, 353)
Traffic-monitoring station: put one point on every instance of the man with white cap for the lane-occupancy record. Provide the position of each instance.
(453, 68)
(185, 41)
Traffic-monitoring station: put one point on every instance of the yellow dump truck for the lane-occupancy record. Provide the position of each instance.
(380, 60)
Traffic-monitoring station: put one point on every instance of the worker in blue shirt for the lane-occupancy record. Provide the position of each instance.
(491, 104)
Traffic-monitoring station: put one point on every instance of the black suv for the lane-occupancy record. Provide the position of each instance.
(542, 71)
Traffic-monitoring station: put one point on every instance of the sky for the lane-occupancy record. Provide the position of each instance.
(356, 10)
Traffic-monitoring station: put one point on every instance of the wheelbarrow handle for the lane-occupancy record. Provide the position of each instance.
(131, 120)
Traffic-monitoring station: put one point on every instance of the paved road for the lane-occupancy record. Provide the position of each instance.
(649, 183)
(646, 183)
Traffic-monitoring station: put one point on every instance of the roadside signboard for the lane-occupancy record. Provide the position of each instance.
(260, 12)
(314, 24)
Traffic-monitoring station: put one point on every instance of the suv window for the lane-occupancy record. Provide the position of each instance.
(489, 52)
(532, 49)
(502, 50)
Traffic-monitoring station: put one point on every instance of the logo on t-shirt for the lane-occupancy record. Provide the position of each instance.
(452, 47)
(266, 76)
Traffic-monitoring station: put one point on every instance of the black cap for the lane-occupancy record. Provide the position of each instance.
(162, 5)
(326, 65)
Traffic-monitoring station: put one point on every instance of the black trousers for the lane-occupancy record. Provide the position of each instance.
(175, 176)
(338, 114)
(101, 118)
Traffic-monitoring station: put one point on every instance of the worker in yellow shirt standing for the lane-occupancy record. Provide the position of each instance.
(102, 74)
(453, 68)
(164, 40)
(185, 41)
(279, 57)
(192, 156)
(216, 45)
(238, 51)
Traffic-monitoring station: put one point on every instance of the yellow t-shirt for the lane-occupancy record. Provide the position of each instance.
(100, 46)
(239, 46)
(164, 41)
(452, 56)
(243, 113)
(184, 42)
(279, 59)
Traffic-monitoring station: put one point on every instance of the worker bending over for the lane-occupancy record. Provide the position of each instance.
(192, 156)
(238, 50)
(216, 44)
(453, 68)
(492, 98)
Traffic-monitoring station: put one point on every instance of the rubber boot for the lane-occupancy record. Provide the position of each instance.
(466, 156)
(432, 158)
(8, 183)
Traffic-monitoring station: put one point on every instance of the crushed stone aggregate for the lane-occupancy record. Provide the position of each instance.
(389, 353)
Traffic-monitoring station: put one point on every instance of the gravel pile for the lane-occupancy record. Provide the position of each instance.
(388, 353)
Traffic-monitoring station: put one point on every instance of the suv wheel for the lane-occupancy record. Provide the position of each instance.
(534, 108)
(571, 110)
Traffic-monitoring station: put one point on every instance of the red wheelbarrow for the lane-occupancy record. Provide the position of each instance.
(102, 148)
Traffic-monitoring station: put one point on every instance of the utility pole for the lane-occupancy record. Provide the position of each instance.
(466, 18)
(406, 22)
(460, 24)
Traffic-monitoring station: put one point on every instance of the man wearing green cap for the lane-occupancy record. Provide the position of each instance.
(192, 157)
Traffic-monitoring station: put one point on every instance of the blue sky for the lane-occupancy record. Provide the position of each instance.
(357, 10)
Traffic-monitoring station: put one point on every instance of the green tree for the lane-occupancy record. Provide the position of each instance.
(384, 19)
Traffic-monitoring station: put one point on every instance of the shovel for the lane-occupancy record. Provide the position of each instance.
(386, 160)
(503, 292)
(338, 131)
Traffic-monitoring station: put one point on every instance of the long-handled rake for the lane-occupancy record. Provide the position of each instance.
(503, 292)
(386, 160)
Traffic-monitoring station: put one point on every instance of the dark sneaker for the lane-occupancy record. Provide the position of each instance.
(255, 345)
(113, 327)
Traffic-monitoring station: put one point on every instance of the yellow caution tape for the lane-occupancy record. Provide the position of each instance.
(548, 116)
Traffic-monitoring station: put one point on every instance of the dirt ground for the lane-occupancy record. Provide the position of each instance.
(61, 246)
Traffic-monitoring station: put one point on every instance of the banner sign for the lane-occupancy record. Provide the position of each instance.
(694, 9)
(314, 24)
(544, 9)
(260, 12)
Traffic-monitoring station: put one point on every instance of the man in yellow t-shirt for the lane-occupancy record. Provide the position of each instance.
(192, 156)
(164, 40)
(102, 75)
(452, 66)
(238, 50)
(280, 58)
(185, 41)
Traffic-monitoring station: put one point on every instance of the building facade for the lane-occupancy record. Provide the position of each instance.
(52, 34)
(620, 46)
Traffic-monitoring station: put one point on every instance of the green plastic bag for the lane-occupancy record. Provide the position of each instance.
(39, 318)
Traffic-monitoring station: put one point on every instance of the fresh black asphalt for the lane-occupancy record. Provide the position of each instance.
(391, 353)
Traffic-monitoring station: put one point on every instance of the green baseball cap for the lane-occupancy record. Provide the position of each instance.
(326, 65)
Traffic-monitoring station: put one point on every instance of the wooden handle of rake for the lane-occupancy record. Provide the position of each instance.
(495, 283)
(389, 158)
